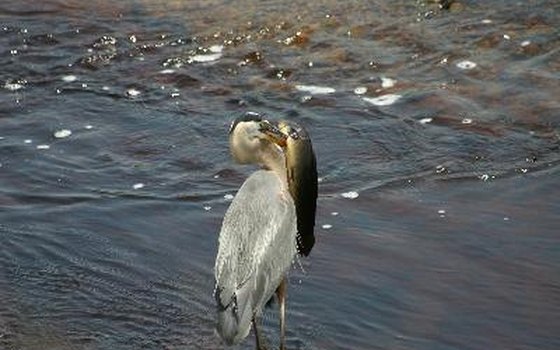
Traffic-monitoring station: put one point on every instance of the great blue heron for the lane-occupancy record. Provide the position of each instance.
(270, 219)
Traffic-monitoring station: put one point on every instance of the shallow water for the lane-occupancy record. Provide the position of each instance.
(437, 137)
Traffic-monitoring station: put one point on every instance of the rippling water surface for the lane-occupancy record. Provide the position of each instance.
(437, 137)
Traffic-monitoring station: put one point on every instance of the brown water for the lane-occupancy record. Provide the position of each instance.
(109, 235)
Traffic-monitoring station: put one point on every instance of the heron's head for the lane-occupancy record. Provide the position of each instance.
(253, 139)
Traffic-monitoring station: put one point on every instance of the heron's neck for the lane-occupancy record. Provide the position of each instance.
(276, 162)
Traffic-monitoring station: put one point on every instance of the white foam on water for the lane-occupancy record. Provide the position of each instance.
(28, 141)
(214, 55)
(383, 100)
(167, 71)
(315, 89)
(207, 207)
(350, 195)
(133, 93)
(387, 82)
(425, 120)
(334, 213)
(228, 197)
(216, 48)
(138, 186)
(13, 86)
(43, 146)
(360, 90)
(69, 78)
(326, 226)
(61, 134)
(466, 121)
(88, 127)
(466, 65)
(205, 58)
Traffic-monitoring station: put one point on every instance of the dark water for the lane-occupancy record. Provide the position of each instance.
(452, 243)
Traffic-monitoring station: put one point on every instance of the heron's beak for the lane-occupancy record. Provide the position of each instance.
(273, 133)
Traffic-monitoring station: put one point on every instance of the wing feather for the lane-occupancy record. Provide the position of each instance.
(256, 247)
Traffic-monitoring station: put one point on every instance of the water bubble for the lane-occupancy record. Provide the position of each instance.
(383, 100)
(441, 211)
(326, 226)
(466, 121)
(486, 21)
(526, 43)
(43, 146)
(28, 141)
(138, 186)
(315, 89)
(132, 38)
(88, 127)
(228, 197)
(167, 71)
(484, 177)
(69, 78)
(334, 213)
(350, 195)
(13, 52)
(207, 207)
(425, 120)
(60, 134)
(217, 176)
(466, 64)
(360, 90)
(507, 37)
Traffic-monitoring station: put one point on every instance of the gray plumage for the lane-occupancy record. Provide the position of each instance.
(256, 247)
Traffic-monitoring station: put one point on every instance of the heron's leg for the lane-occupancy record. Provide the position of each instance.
(281, 293)
(258, 339)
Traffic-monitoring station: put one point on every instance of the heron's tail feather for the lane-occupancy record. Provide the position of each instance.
(235, 314)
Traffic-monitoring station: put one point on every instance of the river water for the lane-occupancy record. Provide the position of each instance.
(437, 138)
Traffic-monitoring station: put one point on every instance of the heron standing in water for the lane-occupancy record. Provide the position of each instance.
(269, 221)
